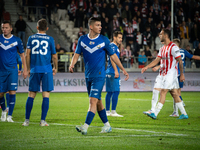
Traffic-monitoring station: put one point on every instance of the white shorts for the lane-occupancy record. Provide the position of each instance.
(170, 82)
(158, 82)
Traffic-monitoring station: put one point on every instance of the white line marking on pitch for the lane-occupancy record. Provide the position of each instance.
(138, 130)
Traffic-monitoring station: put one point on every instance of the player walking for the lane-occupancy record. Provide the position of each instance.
(40, 49)
(113, 77)
(94, 48)
(170, 56)
(9, 45)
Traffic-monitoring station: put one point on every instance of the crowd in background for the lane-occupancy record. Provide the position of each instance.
(140, 21)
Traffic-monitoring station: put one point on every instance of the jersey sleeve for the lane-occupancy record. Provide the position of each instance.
(28, 45)
(78, 47)
(20, 45)
(108, 47)
(159, 53)
(19, 61)
(176, 51)
(53, 48)
(187, 54)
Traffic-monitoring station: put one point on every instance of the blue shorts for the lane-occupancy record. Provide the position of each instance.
(8, 81)
(95, 86)
(112, 83)
(36, 79)
(180, 83)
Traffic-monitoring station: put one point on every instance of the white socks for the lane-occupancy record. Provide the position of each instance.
(175, 107)
(107, 124)
(181, 108)
(158, 108)
(154, 99)
(85, 126)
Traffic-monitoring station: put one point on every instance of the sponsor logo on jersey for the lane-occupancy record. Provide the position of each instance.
(92, 43)
(6, 41)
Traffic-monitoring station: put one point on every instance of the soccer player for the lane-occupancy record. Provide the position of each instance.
(9, 46)
(113, 77)
(184, 54)
(19, 62)
(170, 55)
(94, 47)
(40, 50)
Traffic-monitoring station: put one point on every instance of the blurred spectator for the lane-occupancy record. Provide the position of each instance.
(115, 24)
(119, 18)
(95, 14)
(155, 54)
(135, 10)
(197, 52)
(81, 4)
(140, 25)
(188, 61)
(134, 23)
(49, 7)
(156, 5)
(148, 54)
(126, 56)
(97, 6)
(148, 35)
(179, 17)
(144, 13)
(136, 4)
(129, 3)
(111, 11)
(125, 22)
(195, 36)
(158, 42)
(127, 13)
(81, 32)
(20, 26)
(2, 4)
(190, 26)
(119, 8)
(157, 30)
(62, 9)
(184, 35)
(129, 33)
(142, 59)
(150, 24)
(60, 49)
(79, 17)
(104, 8)
(72, 10)
(73, 46)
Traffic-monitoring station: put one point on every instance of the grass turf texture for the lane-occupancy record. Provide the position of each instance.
(134, 131)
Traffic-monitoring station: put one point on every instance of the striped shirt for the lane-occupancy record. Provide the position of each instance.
(168, 55)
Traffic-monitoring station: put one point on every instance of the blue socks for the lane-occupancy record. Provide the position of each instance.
(7, 99)
(89, 117)
(115, 100)
(102, 115)
(45, 108)
(29, 106)
(108, 97)
(2, 103)
(12, 99)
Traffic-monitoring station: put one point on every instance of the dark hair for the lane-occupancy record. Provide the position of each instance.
(167, 31)
(7, 22)
(42, 25)
(177, 41)
(93, 20)
(116, 33)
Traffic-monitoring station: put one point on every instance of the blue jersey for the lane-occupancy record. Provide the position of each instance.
(42, 47)
(94, 54)
(110, 68)
(184, 54)
(19, 62)
(8, 52)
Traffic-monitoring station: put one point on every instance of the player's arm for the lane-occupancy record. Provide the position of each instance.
(182, 77)
(28, 51)
(115, 69)
(55, 63)
(19, 61)
(25, 73)
(73, 62)
(196, 57)
(156, 68)
(152, 64)
(118, 63)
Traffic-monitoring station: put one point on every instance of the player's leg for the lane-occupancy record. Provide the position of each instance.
(47, 86)
(3, 106)
(107, 99)
(7, 101)
(179, 104)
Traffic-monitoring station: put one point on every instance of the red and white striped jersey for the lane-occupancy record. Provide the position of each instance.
(168, 55)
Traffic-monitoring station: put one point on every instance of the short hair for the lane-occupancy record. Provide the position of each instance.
(7, 22)
(177, 41)
(116, 33)
(167, 31)
(42, 25)
(93, 20)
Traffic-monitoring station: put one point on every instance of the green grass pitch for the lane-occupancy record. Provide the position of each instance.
(134, 131)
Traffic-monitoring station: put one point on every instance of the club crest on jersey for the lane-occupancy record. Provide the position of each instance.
(11, 45)
(6, 41)
(92, 43)
(98, 46)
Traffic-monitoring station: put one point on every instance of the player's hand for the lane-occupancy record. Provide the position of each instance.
(116, 74)
(155, 68)
(144, 69)
(182, 78)
(54, 71)
(25, 74)
(126, 74)
(19, 72)
(71, 68)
